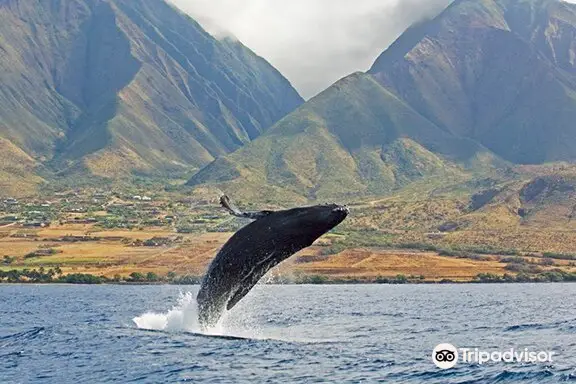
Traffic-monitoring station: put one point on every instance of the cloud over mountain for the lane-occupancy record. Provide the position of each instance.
(313, 43)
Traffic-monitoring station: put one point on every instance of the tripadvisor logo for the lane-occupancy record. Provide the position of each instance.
(446, 356)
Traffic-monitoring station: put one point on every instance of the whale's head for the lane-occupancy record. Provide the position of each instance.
(313, 221)
(329, 214)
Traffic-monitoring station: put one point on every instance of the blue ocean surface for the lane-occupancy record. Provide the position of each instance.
(284, 334)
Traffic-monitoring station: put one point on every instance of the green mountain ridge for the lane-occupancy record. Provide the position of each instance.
(116, 86)
(483, 86)
(313, 152)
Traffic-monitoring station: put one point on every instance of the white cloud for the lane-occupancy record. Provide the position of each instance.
(312, 42)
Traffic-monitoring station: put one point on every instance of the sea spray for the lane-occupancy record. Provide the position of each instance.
(261, 316)
(184, 317)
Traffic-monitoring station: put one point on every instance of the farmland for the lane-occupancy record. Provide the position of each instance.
(127, 237)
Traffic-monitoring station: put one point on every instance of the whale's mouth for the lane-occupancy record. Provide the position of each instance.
(341, 212)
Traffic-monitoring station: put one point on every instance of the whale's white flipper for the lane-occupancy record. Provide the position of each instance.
(233, 210)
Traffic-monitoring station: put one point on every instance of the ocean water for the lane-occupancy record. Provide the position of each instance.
(283, 334)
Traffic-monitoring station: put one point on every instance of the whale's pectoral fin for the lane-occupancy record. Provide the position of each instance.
(233, 210)
(252, 279)
(229, 206)
(239, 295)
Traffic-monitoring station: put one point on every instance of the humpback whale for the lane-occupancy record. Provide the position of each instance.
(271, 238)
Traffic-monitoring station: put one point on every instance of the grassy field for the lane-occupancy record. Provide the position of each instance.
(334, 257)
(111, 257)
(426, 233)
(370, 264)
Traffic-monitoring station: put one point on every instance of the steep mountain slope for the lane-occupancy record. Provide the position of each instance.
(487, 83)
(17, 171)
(354, 138)
(502, 72)
(119, 86)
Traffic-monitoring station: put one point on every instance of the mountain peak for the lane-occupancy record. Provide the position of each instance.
(490, 70)
(485, 84)
(129, 86)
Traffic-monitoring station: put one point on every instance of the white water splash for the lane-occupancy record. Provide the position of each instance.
(184, 317)
(247, 320)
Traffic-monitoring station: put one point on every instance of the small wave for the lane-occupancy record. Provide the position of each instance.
(538, 326)
(12, 354)
(568, 376)
(507, 376)
(521, 327)
(29, 334)
(20, 336)
(467, 376)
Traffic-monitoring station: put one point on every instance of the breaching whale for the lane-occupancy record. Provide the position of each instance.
(271, 238)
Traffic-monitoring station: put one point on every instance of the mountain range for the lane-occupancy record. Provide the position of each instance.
(485, 85)
(112, 87)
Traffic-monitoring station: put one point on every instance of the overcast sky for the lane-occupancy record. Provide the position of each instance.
(313, 42)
